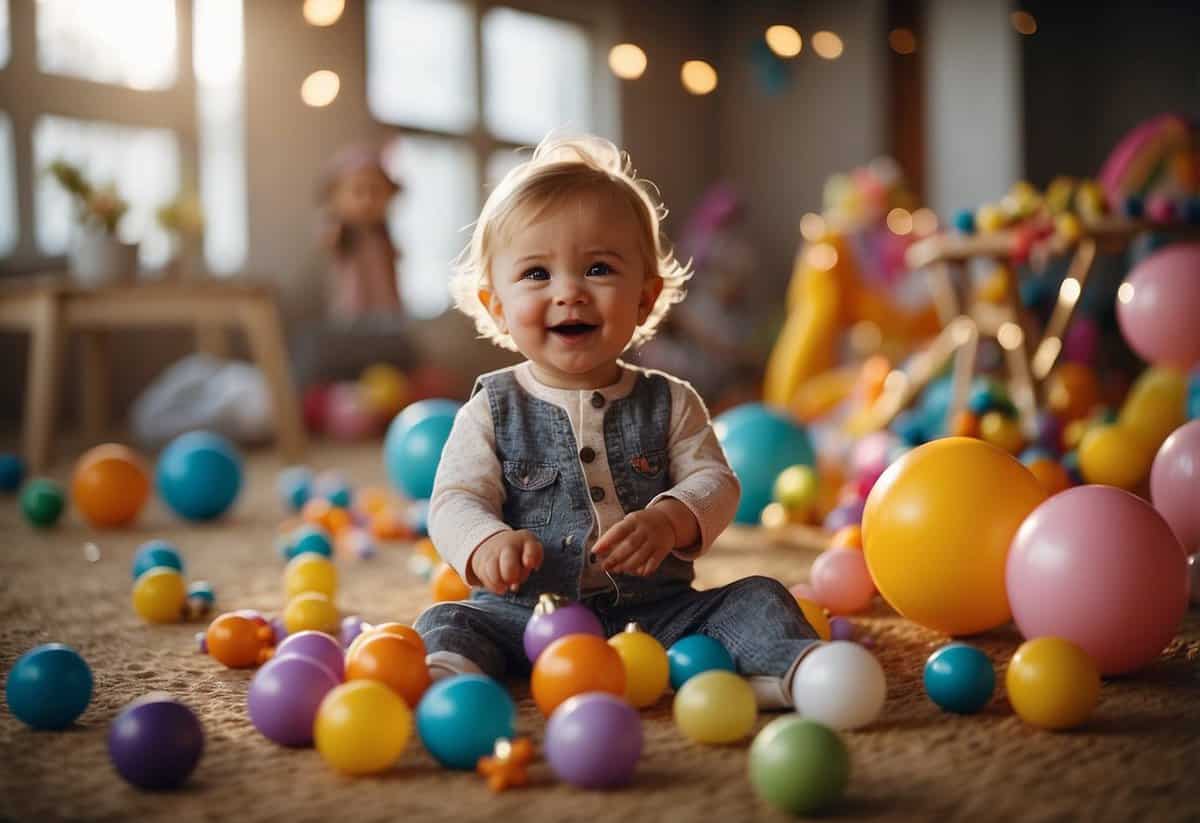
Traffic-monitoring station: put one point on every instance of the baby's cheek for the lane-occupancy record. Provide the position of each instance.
(528, 314)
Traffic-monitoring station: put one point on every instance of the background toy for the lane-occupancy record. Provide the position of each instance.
(393, 661)
(840, 685)
(448, 585)
(555, 617)
(814, 614)
(647, 670)
(959, 678)
(160, 596)
(155, 554)
(715, 707)
(200, 600)
(42, 502)
(760, 443)
(156, 742)
(594, 741)
(352, 626)
(284, 696)
(239, 642)
(362, 727)
(400, 630)
(12, 472)
(506, 767)
(311, 610)
(460, 719)
(308, 539)
(695, 654)
(1052, 683)
(110, 486)
(1175, 484)
(414, 444)
(841, 581)
(1158, 304)
(310, 572)
(319, 646)
(573, 665)
(199, 475)
(49, 686)
(798, 765)
(294, 485)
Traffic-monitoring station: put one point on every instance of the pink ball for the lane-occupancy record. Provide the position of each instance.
(870, 455)
(347, 414)
(1175, 483)
(1099, 567)
(803, 591)
(841, 581)
(1157, 317)
(1194, 578)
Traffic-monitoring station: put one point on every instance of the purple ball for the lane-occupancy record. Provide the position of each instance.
(1049, 432)
(352, 627)
(847, 514)
(320, 647)
(285, 695)
(279, 630)
(594, 740)
(156, 742)
(840, 628)
(544, 628)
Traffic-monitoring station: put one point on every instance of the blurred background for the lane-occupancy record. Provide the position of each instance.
(232, 135)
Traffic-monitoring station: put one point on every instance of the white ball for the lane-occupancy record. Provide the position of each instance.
(841, 685)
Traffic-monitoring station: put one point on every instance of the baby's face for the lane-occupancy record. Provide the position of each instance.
(572, 287)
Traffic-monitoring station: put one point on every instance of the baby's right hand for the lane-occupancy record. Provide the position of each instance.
(506, 559)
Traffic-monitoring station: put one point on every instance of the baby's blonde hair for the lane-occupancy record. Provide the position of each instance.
(559, 168)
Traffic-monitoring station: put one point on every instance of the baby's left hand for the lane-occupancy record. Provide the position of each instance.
(638, 544)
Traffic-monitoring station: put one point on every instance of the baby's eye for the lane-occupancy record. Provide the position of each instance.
(597, 269)
(536, 273)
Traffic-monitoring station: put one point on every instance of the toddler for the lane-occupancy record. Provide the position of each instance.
(573, 472)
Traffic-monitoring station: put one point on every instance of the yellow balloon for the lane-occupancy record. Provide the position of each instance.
(1114, 455)
(647, 670)
(1156, 405)
(384, 387)
(815, 615)
(797, 487)
(362, 727)
(311, 611)
(310, 572)
(159, 595)
(936, 532)
(716, 707)
(1052, 683)
(1001, 431)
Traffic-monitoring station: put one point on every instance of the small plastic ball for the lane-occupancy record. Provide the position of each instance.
(1068, 227)
(200, 599)
(594, 741)
(760, 443)
(156, 742)
(815, 615)
(1052, 683)
(284, 696)
(841, 581)
(239, 642)
(295, 487)
(1049, 432)
(799, 766)
(384, 389)
(110, 486)
(696, 654)
(1002, 432)
(400, 630)
(334, 488)
(556, 617)
(393, 661)
(12, 472)
(989, 219)
(1071, 391)
(42, 502)
(797, 487)
(352, 627)
(308, 539)
(49, 686)
(647, 670)
(1175, 484)
(1114, 456)
(155, 554)
(964, 424)
(840, 628)
(959, 678)
(160, 596)
(964, 221)
(716, 707)
(573, 665)
(414, 443)
(1050, 474)
(847, 514)
(448, 585)
(319, 646)
(460, 719)
(311, 610)
(279, 632)
(841, 685)
(362, 727)
(310, 573)
(847, 537)
(199, 475)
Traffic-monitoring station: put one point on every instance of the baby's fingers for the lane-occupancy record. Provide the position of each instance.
(510, 566)
(614, 536)
(531, 555)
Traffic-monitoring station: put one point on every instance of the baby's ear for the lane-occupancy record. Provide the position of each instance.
(651, 288)
(491, 302)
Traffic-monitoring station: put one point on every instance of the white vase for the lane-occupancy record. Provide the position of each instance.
(97, 258)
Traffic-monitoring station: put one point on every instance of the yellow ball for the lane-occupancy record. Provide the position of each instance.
(362, 727)
(1002, 432)
(716, 707)
(647, 670)
(159, 595)
(1156, 405)
(384, 388)
(815, 615)
(1114, 455)
(310, 572)
(797, 487)
(1052, 683)
(311, 611)
(936, 532)
(988, 219)
(1068, 227)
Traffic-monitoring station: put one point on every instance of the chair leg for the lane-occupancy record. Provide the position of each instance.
(97, 384)
(45, 362)
(264, 332)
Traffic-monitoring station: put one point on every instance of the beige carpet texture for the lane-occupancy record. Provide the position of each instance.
(1137, 759)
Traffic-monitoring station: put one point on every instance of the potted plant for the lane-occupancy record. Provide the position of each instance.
(183, 219)
(95, 255)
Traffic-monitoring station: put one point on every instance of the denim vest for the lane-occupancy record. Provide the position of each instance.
(546, 492)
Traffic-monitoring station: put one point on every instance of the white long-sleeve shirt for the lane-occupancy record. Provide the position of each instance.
(468, 493)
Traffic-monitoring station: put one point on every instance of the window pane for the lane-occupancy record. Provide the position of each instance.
(124, 42)
(5, 48)
(421, 63)
(501, 163)
(9, 225)
(537, 75)
(429, 218)
(143, 164)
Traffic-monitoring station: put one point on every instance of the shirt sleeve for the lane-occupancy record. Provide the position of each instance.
(468, 490)
(704, 482)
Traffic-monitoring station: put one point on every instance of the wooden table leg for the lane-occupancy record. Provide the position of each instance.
(264, 332)
(212, 340)
(97, 383)
(45, 362)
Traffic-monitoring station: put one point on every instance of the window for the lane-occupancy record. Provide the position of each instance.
(9, 224)
(5, 48)
(123, 42)
(422, 63)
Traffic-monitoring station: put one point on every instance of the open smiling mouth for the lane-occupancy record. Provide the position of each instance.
(573, 330)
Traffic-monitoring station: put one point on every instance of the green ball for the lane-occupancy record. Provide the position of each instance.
(799, 766)
(42, 502)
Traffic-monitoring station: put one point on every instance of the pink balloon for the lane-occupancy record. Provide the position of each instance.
(1194, 578)
(841, 581)
(870, 454)
(1175, 483)
(1158, 318)
(1099, 567)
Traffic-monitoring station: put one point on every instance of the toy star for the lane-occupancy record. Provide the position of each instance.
(507, 767)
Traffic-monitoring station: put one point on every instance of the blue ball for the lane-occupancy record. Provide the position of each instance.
(696, 654)
(964, 221)
(1036, 453)
(155, 553)
(12, 472)
(295, 487)
(308, 539)
(460, 719)
(414, 443)
(339, 497)
(199, 475)
(1070, 462)
(959, 678)
(910, 427)
(760, 443)
(49, 686)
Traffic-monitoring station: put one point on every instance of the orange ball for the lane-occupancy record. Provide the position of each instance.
(394, 661)
(315, 511)
(238, 641)
(397, 629)
(337, 520)
(964, 424)
(371, 500)
(847, 537)
(447, 585)
(575, 664)
(1072, 391)
(389, 524)
(1051, 474)
(110, 486)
